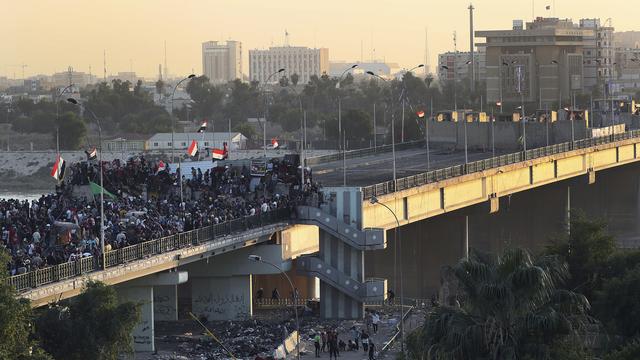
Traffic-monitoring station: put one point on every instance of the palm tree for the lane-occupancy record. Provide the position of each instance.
(511, 307)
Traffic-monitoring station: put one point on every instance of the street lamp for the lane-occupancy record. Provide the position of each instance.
(259, 259)
(404, 97)
(340, 101)
(393, 126)
(58, 116)
(172, 134)
(303, 137)
(374, 200)
(266, 111)
(77, 103)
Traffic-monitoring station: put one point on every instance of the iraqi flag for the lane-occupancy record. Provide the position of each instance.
(92, 154)
(220, 154)
(57, 172)
(193, 149)
(161, 166)
(420, 114)
(274, 143)
(203, 127)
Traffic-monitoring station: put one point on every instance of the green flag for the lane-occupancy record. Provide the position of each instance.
(95, 190)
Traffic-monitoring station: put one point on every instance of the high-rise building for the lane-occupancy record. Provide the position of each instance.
(299, 60)
(77, 78)
(456, 65)
(542, 62)
(599, 54)
(222, 62)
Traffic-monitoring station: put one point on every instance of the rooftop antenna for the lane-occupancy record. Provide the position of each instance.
(471, 48)
(427, 64)
(361, 49)
(104, 65)
(90, 80)
(70, 74)
(160, 72)
(131, 65)
(286, 38)
(166, 72)
(455, 42)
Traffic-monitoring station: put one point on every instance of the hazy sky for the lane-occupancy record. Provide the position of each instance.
(50, 35)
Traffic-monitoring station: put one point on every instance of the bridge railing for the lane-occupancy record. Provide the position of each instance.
(360, 152)
(48, 275)
(408, 182)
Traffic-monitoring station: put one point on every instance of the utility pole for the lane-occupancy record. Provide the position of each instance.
(471, 46)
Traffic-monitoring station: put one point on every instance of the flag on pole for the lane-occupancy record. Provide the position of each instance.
(274, 143)
(193, 149)
(220, 154)
(203, 127)
(57, 172)
(96, 189)
(161, 166)
(420, 114)
(92, 154)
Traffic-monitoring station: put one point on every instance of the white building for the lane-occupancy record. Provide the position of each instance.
(458, 65)
(163, 141)
(384, 69)
(77, 78)
(299, 60)
(222, 62)
(599, 53)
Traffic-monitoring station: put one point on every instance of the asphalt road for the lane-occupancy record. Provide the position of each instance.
(369, 170)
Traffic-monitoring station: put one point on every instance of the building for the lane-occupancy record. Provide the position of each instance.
(163, 141)
(542, 62)
(627, 39)
(123, 76)
(222, 62)
(458, 65)
(303, 61)
(77, 78)
(382, 68)
(599, 54)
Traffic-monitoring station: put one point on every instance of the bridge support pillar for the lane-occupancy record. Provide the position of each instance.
(165, 302)
(222, 298)
(143, 333)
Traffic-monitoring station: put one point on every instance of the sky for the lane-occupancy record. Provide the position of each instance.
(49, 36)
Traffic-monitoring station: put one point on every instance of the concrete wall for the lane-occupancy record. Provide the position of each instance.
(165, 303)
(222, 298)
(507, 134)
(143, 333)
(527, 219)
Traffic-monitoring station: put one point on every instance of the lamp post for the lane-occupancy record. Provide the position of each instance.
(173, 144)
(302, 134)
(340, 101)
(266, 111)
(393, 126)
(77, 103)
(374, 200)
(404, 100)
(58, 116)
(259, 259)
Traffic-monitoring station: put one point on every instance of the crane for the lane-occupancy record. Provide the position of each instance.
(21, 66)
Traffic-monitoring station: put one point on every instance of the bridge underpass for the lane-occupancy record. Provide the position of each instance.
(527, 219)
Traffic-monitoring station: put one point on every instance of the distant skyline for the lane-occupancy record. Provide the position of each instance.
(49, 36)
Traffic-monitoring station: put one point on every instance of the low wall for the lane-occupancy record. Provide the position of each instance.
(507, 135)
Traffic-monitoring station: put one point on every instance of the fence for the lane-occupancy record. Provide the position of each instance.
(388, 187)
(361, 152)
(145, 249)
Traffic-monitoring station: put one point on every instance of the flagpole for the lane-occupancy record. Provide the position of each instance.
(228, 145)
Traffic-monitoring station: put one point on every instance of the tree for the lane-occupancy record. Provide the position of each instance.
(72, 131)
(512, 307)
(586, 250)
(90, 326)
(207, 99)
(246, 130)
(15, 322)
(356, 126)
(618, 305)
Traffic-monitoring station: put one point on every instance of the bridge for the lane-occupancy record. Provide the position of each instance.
(342, 243)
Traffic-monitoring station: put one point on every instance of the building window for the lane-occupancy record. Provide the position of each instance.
(184, 144)
(206, 143)
(155, 144)
(169, 143)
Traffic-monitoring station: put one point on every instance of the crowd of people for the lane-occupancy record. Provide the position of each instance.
(144, 200)
(331, 342)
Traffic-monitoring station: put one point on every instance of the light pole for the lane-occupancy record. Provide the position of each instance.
(104, 256)
(393, 126)
(173, 144)
(340, 101)
(302, 135)
(374, 200)
(58, 116)
(404, 99)
(259, 259)
(266, 111)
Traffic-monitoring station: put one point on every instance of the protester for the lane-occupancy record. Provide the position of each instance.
(142, 202)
